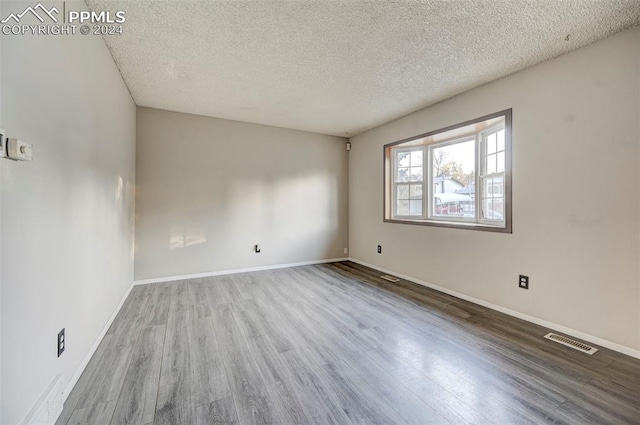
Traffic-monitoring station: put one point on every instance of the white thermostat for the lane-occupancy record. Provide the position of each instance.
(19, 150)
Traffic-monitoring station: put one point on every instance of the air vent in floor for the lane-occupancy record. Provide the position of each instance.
(390, 278)
(577, 345)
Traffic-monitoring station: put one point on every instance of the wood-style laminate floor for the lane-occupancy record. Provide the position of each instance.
(335, 344)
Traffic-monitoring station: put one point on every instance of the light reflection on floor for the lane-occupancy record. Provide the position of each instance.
(457, 383)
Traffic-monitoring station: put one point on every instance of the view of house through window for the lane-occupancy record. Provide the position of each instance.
(456, 177)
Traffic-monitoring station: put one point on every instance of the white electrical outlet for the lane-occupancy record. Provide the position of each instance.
(346, 250)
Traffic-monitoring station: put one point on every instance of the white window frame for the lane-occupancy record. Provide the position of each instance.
(481, 174)
(395, 183)
(428, 216)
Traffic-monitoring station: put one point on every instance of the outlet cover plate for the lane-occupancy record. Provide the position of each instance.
(61, 342)
(523, 282)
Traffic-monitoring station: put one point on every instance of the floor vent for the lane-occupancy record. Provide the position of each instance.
(577, 345)
(49, 407)
(390, 278)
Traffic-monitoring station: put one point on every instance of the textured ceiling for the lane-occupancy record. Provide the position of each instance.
(340, 67)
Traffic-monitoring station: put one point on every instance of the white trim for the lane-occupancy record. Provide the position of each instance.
(554, 326)
(74, 379)
(234, 271)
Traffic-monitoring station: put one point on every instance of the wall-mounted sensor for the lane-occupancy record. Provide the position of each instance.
(19, 150)
(348, 146)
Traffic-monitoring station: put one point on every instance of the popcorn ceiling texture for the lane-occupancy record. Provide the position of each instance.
(340, 67)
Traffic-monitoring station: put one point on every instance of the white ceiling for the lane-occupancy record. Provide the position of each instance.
(340, 67)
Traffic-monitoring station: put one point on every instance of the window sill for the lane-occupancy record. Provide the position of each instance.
(453, 225)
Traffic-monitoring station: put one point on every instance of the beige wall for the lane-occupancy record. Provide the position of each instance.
(576, 203)
(1, 164)
(209, 189)
(67, 217)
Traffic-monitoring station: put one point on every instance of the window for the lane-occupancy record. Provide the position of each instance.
(459, 176)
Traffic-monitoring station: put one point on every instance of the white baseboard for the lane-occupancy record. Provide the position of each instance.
(234, 271)
(74, 379)
(554, 326)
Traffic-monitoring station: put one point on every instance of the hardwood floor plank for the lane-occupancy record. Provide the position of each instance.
(100, 413)
(357, 399)
(611, 394)
(219, 412)
(176, 363)
(249, 391)
(108, 377)
(623, 372)
(277, 333)
(137, 400)
(127, 323)
(266, 357)
(208, 369)
(158, 308)
(407, 404)
(319, 404)
(179, 402)
(288, 403)
(201, 306)
(217, 291)
(574, 410)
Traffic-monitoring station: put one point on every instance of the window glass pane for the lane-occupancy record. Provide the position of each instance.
(416, 158)
(416, 174)
(404, 159)
(415, 207)
(486, 187)
(493, 201)
(455, 161)
(491, 143)
(450, 205)
(498, 184)
(416, 191)
(493, 209)
(500, 166)
(498, 207)
(403, 207)
(403, 192)
(487, 208)
(500, 140)
(491, 164)
(403, 174)
(453, 180)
